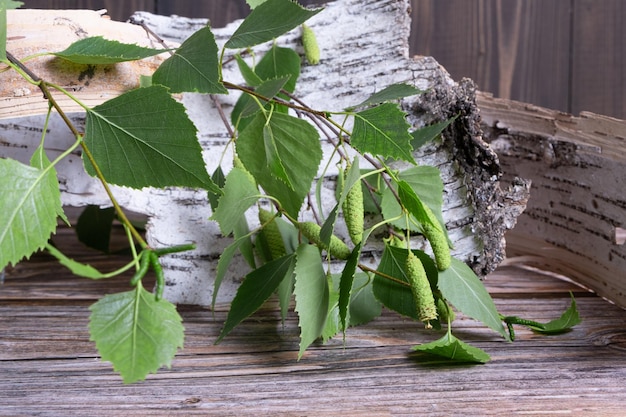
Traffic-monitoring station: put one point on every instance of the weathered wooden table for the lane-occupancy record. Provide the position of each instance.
(48, 366)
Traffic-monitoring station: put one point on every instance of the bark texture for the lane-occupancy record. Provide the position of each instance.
(575, 221)
(364, 49)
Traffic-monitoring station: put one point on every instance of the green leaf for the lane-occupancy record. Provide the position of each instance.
(77, 268)
(136, 333)
(255, 3)
(454, 349)
(280, 62)
(427, 133)
(40, 160)
(414, 204)
(384, 131)
(255, 289)
(99, 51)
(4, 6)
(332, 325)
(194, 67)
(312, 295)
(29, 205)
(94, 225)
(426, 183)
(392, 92)
(461, 287)
(248, 74)
(247, 106)
(568, 319)
(144, 138)
(219, 179)
(239, 195)
(351, 177)
(223, 263)
(297, 147)
(242, 230)
(394, 294)
(346, 285)
(267, 21)
(364, 307)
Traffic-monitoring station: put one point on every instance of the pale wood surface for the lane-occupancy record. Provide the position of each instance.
(48, 366)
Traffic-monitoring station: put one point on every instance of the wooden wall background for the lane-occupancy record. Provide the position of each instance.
(568, 55)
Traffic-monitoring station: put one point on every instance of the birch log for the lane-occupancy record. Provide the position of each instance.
(575, 222)
(364, 49)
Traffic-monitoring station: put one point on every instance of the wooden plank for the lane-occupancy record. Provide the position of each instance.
(49, 367)
(120, 11)
(599, 58)
(514, 49)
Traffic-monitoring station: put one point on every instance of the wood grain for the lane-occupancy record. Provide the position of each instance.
(513, 49)
(48, 366)
(599, 61)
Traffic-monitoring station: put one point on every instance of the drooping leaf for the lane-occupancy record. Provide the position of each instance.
(345, 285)
(312, 295)
(239, 195)
(242, 230)
(425, 134)
(96, 50)
(426, 183)
(77, 268)
(267, 21)
(40, 160)
(29, 205)
(461, 287)
(392, 92)
(194, 67)
(297, 147)
(393, 294)
(136, 333)
(219, 179)
(364, 307)
(4, 6)
(332, 325)
(247, 106)
(144, 138)
(222, 265)
(94, 225)
(255, 289)
(352, 176)
(414, 204)
(456, 350)
(291, 237)
(568, 319)
(382, 130)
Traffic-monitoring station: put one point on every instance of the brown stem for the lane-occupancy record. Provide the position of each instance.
(43, 86)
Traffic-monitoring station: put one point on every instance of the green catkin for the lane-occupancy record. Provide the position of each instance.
(160, 277)
(272, 234)
(311, 48)
(438, 241)
(337, 247)
(353, 212)
(144, 264)
(420, 288)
